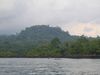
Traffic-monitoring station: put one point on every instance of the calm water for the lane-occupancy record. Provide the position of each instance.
(26, 66)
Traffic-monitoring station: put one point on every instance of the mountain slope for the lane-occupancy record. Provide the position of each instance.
(43, 32)
(33, 36)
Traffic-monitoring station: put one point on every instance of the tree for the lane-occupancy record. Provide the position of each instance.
(55, 43)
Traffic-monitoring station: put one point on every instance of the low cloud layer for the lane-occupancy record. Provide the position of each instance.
(76, 16)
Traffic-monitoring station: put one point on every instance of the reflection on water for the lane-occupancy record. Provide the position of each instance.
(26, 66)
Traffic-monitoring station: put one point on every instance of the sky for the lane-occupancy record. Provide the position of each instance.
(79, 17)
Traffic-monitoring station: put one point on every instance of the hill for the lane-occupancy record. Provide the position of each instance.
(33, 36)
(44, 33)
(45, 41)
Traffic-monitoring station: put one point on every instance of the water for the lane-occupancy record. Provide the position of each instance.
(44, 66)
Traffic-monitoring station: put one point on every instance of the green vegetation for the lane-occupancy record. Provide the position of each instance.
(45, 41)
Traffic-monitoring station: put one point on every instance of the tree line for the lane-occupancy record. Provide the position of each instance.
(81, 47)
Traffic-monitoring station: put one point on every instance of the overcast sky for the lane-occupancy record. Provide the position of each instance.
(76, 16)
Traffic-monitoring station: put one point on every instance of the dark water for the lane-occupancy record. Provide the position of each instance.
(26, 66)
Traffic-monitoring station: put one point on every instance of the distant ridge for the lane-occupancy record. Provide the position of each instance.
(44, 32)
(33, 36)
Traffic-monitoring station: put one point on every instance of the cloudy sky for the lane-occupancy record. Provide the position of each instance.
(76, 16)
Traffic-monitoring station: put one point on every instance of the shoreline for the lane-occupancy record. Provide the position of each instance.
(71, 57)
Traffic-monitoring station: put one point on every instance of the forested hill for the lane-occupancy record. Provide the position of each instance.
(32, 36)
(45, 41)
(44, 33)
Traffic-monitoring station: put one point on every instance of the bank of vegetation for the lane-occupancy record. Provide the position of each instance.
(45, 41)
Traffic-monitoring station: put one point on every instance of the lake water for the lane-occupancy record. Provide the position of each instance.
(52, 66)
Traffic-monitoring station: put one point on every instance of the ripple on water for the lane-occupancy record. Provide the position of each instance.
(49, 67)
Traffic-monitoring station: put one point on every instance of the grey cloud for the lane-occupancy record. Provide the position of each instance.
(55, 12)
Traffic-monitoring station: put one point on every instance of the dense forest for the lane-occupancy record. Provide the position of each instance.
(46, 41)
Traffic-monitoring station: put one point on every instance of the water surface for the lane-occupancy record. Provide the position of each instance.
(45, 66)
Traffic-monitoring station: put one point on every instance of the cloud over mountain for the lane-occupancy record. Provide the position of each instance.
(77, 16)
